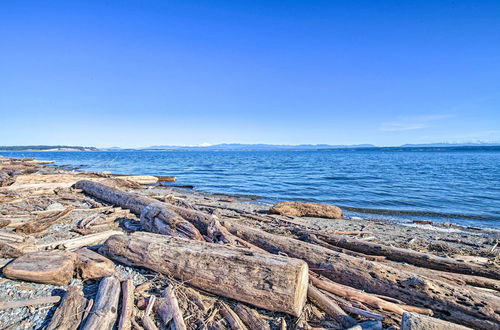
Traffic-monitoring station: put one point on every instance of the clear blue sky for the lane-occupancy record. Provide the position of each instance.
(140, 73)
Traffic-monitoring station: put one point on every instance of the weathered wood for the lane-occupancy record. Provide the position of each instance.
(104, 312)
(127, 305)
(155, 216)
(171, 305)
(349, 293)
(447, 301)
(273, 282)
(69, 313)
(147, 321)
(422, 259)
(53, 267)
(329, 307)
(91, 265)
(29, 302)
(78, 242)
(250, 317)
(158, 219)
(41, 223)
(231, 317)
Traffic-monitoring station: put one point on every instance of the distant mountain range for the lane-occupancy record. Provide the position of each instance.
(270, 147)
(245, 147)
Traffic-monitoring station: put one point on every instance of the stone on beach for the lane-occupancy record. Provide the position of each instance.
(299, 209)
(92, 265)
(43, 267)
(414, 321)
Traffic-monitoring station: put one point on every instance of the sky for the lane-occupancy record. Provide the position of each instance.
(139, 73)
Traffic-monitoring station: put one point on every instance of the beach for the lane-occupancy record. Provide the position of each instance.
(32, 189)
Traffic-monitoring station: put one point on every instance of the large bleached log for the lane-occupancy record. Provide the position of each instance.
(412, 257)
(70, 312)
(449, 302)
(268, 281)
(155, 216)
(104, 310)
(163, 218)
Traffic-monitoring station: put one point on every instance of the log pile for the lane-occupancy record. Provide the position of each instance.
(210, 272)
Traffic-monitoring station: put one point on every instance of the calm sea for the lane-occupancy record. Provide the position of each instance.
(451, 185)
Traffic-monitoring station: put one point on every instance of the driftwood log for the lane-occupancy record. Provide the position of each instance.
(104, 311)
(251, 318)
(272, 282)
(29, 302)
(329, 307)
(69, 313)
(163, 218)
(412, 257)
(40, 223)
(127, 305)
(449, 302)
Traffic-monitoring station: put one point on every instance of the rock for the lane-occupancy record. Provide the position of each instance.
(367, 325)
(52, 267)
(298, 209)
(55, 207)
(414, 321)
(91, 265)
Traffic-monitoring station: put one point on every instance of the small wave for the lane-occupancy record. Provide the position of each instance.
(418, 213)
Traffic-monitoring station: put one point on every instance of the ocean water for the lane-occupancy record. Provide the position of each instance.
(444, 185)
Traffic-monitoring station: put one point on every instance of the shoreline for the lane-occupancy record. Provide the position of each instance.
(43, 189)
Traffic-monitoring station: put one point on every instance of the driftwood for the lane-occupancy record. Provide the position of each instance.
(155, 216)
(329, 307)
(104, 311)
(127, 305)
(170, 306)
(250, 317)
(41, 223)
(231, 317)
(54, 267)
(447, 301)
(29, 302)
(78, 242)
(273, 282)
(70, 312)
(147, 321)
(352, 294)
(164, 218)
(413, 257)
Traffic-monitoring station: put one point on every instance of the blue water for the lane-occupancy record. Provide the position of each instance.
(458, 186)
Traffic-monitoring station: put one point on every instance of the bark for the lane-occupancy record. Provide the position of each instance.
(275, 283)
(413, 257)
(70, 312)
(104, 311)
(449, 302)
